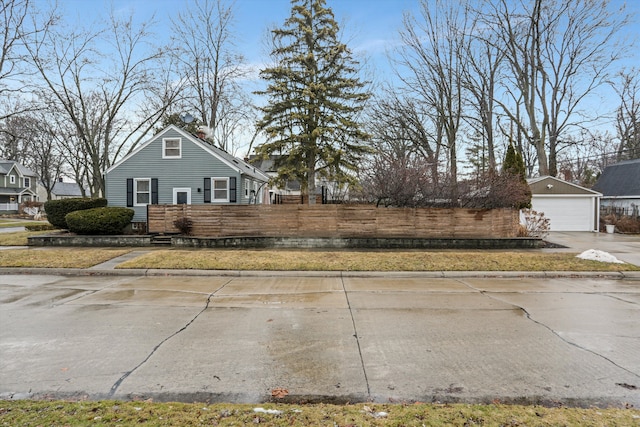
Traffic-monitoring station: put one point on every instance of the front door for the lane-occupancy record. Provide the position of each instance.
(181, 196)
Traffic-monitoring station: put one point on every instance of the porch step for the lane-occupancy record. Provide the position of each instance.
(161, 240)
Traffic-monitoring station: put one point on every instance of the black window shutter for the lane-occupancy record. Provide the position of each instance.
(232, 189)
(154, 191)
(207, 190)
(129, 192)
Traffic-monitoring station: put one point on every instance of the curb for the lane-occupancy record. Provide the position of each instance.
(629, 275)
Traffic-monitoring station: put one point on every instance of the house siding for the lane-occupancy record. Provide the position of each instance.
(188, 171)
(16, 191)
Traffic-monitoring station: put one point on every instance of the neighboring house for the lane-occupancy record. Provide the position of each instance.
(17, 185)
(620, 188)
(176, 167)
(60, 190)
(326, 191)
(291, 189)
(568, 206)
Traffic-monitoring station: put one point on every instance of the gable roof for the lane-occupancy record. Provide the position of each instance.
(66, 189)
(233, 162)
(552, 186)
(7, 165)
(620, 180)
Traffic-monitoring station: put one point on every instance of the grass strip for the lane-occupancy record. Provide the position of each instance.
(10, 224)
(18, 238)
(58, 257)
(113, 413)
(317, 260)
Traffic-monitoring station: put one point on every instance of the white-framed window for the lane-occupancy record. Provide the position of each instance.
(171, 148)
(141, 191)
(220, 190)
(27, 182)
(12, 179)
(247, 184)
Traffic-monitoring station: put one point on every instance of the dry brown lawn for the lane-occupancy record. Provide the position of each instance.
(19, 238)
(300, 260)
(58, 257)
(320, 260)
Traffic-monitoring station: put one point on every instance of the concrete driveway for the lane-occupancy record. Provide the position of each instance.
(329, 339)
(625, 247)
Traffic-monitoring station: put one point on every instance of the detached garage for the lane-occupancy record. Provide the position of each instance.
(569, 207)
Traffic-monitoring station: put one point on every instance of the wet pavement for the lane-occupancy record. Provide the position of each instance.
(625, 247)
(344, 338)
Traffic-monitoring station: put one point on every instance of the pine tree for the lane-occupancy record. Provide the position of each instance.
(315, 98)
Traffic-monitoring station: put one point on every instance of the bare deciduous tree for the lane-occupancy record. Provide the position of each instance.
(401, 124)
(211, 67)
(432, 55)
(480, 79)
(628, 114)
(14, 71)
(112, 95)
(558, 53)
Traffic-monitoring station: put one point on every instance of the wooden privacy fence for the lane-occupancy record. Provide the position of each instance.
(334, 221)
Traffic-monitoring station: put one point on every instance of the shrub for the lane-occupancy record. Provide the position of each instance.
(536, 224)
(111, 220)
(505, 190)
(58, 209)
(624, 224)
(184, 224)
(39, 227)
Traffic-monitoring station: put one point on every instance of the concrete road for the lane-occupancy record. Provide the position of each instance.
(330, 339)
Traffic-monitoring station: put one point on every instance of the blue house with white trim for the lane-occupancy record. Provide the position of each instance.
(176, 167)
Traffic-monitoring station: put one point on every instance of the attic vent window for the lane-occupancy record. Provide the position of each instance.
(171, 148)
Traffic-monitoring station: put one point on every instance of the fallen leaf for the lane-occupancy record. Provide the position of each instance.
(279, 392)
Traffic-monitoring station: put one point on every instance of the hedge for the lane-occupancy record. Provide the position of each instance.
(40, 226)
(99, 221)
(58, 209)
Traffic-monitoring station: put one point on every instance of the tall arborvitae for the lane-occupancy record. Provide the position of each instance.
(513, 168)
(514, 163)
(315, 98)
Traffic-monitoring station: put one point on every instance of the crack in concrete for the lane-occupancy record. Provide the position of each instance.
(357, 337)
(595, 353)
(550, 329)
(118, 383)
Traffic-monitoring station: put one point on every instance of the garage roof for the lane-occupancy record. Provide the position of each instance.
(550, 185)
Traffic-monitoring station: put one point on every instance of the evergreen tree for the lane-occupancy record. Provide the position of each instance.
(514, 163)
(513, 168)
(315, 98)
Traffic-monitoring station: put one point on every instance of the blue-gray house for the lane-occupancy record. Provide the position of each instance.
(176, 167)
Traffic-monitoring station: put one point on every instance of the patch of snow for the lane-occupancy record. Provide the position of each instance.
(596, 255)
(267, 411)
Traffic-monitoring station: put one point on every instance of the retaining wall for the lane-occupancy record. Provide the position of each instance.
(89, 241)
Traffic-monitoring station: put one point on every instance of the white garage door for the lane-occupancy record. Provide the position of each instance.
(566, 214)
